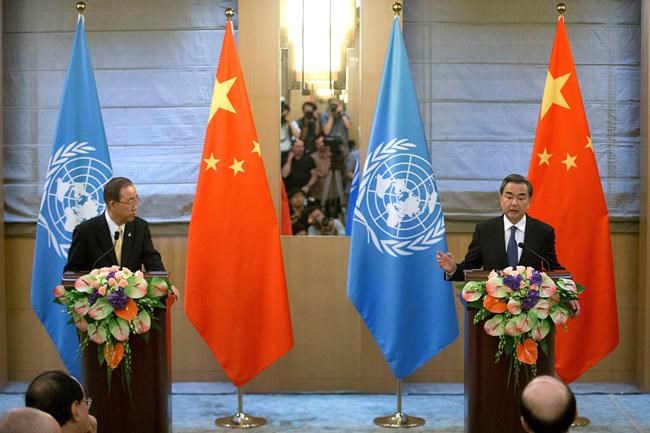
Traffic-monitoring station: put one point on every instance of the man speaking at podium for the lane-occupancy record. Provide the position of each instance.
(512, 239)
(116, 237)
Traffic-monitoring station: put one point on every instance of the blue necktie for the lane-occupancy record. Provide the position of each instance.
(512, 251)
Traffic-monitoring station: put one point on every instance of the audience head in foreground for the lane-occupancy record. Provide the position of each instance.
(547, 406)
(28, 420)
(63, 397)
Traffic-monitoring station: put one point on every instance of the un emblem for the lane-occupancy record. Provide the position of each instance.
(72, 193)
(398, 201)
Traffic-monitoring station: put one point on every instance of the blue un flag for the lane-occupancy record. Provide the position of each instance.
(76, 173)
(393, 278)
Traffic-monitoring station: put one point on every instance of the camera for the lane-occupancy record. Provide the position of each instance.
(333, 107)
(309, 115)
(335, 145)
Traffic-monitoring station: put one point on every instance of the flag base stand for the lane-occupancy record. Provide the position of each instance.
(580, 421)
(240, 419)
(399, 419)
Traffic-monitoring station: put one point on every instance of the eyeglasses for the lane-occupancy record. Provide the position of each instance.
(132, 202)
(89, 401)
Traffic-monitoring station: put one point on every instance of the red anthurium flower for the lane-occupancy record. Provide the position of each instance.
(527, 352)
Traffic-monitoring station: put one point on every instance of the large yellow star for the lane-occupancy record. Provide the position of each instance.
(211, 163)
(237, 166)
(220, 96)
(589, 144)
(570, 161)
(256, 148)
(553, 93)
(544, 157)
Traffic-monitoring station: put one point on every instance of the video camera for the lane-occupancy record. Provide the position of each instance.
(335, 144)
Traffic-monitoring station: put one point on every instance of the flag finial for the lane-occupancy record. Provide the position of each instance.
(230, 12)
(561, 8)
(397, 8)
(81, 7)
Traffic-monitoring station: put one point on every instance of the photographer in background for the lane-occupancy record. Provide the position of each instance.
(336, 123)
(320, 225)
(308, 126)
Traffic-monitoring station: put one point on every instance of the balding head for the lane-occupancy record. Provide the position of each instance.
(547, 406)
(28, 420)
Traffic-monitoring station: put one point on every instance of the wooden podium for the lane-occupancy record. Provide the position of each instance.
(491, 402)
(150, 410)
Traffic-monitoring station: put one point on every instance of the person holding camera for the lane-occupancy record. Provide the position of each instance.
(337, 123)
(320, 225)
(298, 169)
(308, 126)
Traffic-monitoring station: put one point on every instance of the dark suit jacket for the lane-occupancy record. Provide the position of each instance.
(91, 239)
(488, 249)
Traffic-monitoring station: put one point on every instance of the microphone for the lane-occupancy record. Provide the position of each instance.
(544, 259)
(116, 236)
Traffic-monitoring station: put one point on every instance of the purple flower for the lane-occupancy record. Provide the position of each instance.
(92, 298)
(530, 300)
(536, 278)
(512, 281)
(110, 275)
(118, 299)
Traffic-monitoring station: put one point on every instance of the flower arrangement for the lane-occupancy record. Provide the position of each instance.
(519, 305)
(108, 305)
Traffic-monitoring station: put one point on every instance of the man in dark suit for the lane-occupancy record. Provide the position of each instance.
(492, 246)
(96, 241)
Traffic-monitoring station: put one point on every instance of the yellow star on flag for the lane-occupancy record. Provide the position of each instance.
(589, 144)
(553, 93)
(544, 157)
(211, 163)
(256, 148)
(570, 161)
(220, 96)
(237, 166)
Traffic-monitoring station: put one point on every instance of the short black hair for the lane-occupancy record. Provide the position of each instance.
(519, 179)
(54, 392)
(295, 191)
(311, 104)
(560, 424)
(113, 187)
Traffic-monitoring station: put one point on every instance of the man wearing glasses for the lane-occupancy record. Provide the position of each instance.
(117, 237)
(63, 397)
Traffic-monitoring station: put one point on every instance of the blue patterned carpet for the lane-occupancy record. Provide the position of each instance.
(611, 408)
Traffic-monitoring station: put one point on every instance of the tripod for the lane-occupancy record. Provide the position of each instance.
(334, 174)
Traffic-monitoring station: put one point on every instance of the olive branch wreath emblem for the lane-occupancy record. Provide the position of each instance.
(58, 159)
(392, 246)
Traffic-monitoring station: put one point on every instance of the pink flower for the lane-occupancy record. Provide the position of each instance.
(514, 306)
(494, 287)
(82, 284)
(518, 325)
(119, 275)
(567, 285)
(82, 306)
(101, 290)
(139, 274)
(97, 334)
(138, 289)
(158, 287)
(94, 284)
(59, 291)
(175, 291)
(123, 283)
(100, 310)
(94, 272)
(142, 322)
(542, 308)
(559, 315)
(547, 288)
(80, 323)
(119, 329)
(111, 282)
(540, 331)
(495, 326)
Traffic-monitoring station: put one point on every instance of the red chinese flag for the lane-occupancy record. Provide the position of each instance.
(235, 287)
(569, 196)
(285, 213)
